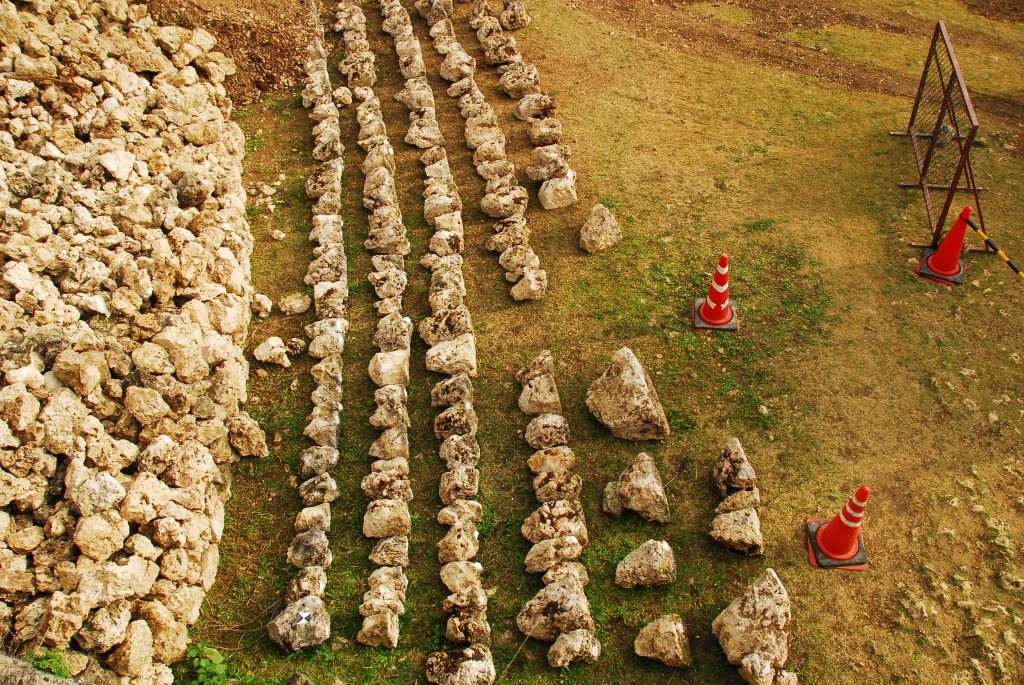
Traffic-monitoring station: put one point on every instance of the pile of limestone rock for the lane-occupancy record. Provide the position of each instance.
(304, 621)
(560, 612)
(737, 523)
(521, 80)
(124, 305)
(505, 199)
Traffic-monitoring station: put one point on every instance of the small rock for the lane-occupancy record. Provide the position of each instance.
(575, 645)
(295, 303)
(757, 622)
(666, 641)
(272, 351)
(304, 623)
(600, 231)
(732, 470)
(547, 431)
(380, 630)
(639, 488)
(652, 563)
(261, 305)
(739, 530)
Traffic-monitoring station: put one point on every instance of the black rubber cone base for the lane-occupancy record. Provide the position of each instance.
(923, 270)
(702, 325)
(818, 559)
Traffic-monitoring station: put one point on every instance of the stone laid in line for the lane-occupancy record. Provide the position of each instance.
(304, 621)
(560, 612)
(737, 523)
(505, 199)
(755, 631)
(521, 80)
(623, 398)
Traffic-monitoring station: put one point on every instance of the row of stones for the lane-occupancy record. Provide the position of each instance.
(521, 81)
(558, 528)
(124, 305)
(387, 486)
(449, 332)
(505, 199)
(304, 621)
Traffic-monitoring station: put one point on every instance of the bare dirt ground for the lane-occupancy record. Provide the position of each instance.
(710, 127)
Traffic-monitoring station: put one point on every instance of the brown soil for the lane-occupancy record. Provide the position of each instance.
(266, 39)
(1005, 10)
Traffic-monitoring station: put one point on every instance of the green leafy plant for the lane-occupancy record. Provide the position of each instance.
(210, 668)
(51, 661)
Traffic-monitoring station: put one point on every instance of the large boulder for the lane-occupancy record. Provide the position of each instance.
(757, 622)
(304, 623)
(666, 641)
(640, 489)
(652, 563)
(624, 400)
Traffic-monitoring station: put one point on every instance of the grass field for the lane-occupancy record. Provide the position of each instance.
(865, 372)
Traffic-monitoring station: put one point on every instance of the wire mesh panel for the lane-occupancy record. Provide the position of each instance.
(941, 130)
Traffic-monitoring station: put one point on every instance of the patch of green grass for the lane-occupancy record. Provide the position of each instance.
(762, 224)
(610, 203)
(51, 661)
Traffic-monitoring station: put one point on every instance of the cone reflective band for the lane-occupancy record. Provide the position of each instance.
(716, 311)
(943, 265)
(839, 543)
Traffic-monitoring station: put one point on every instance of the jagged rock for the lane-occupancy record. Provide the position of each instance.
(318, 490)
(652, 563)
(624, 400)
(386, 518)
(739, 530)
(393, 551)
(513, 18)
(295, 303)
(310, 549)
(468, 627)
(556, 519)
(246, 436)
(379, 630)
(460, 543)
(757, 622)
(272, 351)
(459, 484)
(545, 131)
(573, 646)
(458, 419)
(547, 553)
(560, 607)
(547, 431)
(532, 286)
(316, 461)
(106, 627)
(559, 458)
(741, 499)
(454, 356)
(461, 511)
(556, 193)
(135, 653)
(303, 623)
(610, 502)
(540, 396)
(571, 571)
(639, 488)
(549, 486)
(314, 518)
(390, 368)
(665, 640)
(387, 485)
(458, 388)
(392, 444)
(732, 470)
(505, 202)
(471, 665)
(600, 231)
(461, 576)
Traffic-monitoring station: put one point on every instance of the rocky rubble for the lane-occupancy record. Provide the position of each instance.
(506, 199)
(124, 305)
(560, 612)
(521, 81)
(737, 523)
(755, 632)
(304, 620)
(387, 486)
(623, 398)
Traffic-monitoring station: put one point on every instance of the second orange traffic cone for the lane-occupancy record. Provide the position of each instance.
(943, 265)
(839, 543)
(716, 312)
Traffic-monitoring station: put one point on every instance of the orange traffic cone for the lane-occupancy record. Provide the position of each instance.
(716, 312)
(944, 264)
(839, 543)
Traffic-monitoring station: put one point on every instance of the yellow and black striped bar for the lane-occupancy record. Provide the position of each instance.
(995, 248)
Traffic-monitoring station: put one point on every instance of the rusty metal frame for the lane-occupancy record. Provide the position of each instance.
(954, 122)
